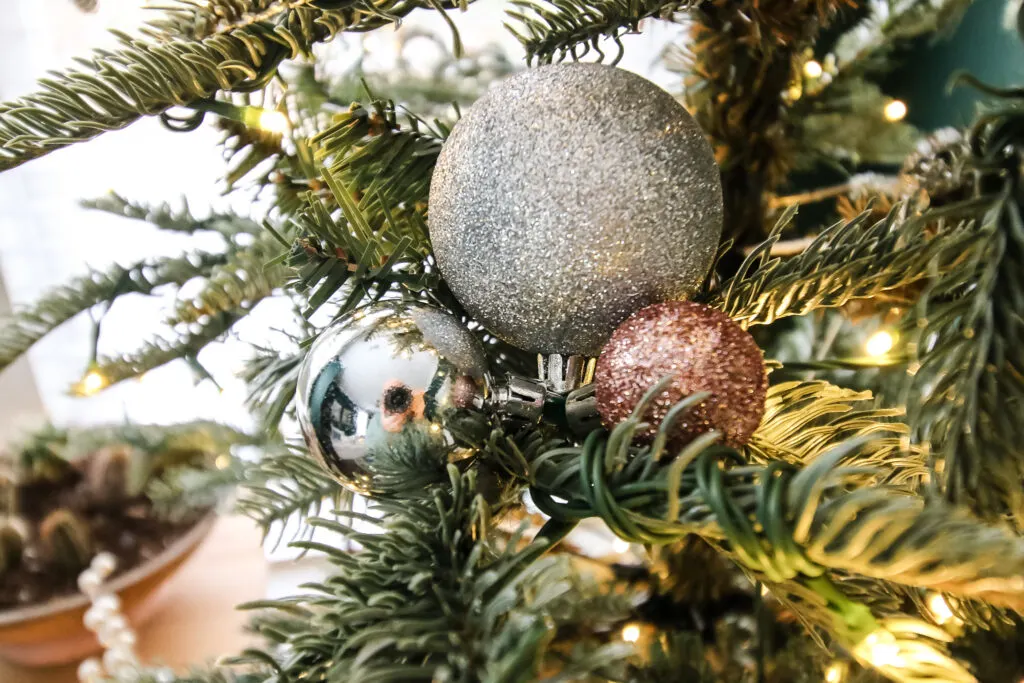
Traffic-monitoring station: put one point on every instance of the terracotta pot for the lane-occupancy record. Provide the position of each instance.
(52, 633)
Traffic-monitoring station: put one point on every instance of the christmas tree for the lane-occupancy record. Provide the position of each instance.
(805, 432)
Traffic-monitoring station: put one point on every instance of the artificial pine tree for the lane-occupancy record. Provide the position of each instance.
(868, 529)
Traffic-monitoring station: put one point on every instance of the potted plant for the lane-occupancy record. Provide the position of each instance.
(69, 494)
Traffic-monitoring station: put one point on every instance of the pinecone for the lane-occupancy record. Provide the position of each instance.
(938, 165)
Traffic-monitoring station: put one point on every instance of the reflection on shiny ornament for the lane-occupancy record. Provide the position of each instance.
(379, 390)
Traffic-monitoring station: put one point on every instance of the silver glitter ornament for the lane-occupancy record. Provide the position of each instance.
(568, 197)
(384, 381)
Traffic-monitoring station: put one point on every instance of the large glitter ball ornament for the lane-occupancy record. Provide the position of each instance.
(704, 350)
(568, 197)
(384, 380)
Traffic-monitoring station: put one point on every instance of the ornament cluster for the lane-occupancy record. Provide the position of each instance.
(572, 210)
(568, 197)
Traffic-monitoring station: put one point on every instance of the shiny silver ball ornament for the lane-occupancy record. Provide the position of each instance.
(568, 197)
(378, 389)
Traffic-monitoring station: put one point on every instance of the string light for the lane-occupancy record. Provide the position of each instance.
(940, 610)
(272, 121)
(895, 111)
(880, 343)
(881, 651)
(812, 69)
(631, 633)
(836, 672)
(92, 383)
(222, 461)
(620, 546)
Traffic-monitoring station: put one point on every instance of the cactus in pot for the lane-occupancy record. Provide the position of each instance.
(66, 495)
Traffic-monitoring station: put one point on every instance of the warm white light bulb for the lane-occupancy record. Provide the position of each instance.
(812, 69)
(620, 546)
(272, 121)
(940, 609)
(631, 633)
(92, 382)
(895, 110)
(886, 654)
(835, 673)
(880, 343)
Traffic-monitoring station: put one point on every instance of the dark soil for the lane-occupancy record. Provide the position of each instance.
(127, 528)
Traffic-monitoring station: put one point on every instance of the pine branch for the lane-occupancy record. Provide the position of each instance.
(553, 30)
(182, 490)
(864, 49)
(20, 331)
(434, 599)
(161, 351)
(858, 109)
(351, 254)
(802, 420)
(847, 261)
(288, 484)
(744, 55)
(167, 218)
(248, 276)
(114, 89)
(790, 526)
(823, 516)
(965, 381)
(385, 162)
(272, 378)
(49, 449)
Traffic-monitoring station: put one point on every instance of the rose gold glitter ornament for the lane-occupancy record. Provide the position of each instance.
(705, 350)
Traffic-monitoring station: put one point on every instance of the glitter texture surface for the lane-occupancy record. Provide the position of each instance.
(568, 197)
(705, 350)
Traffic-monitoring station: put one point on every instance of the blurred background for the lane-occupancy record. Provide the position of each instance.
(47, 237)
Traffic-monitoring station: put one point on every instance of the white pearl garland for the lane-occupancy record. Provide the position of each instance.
(119, 663)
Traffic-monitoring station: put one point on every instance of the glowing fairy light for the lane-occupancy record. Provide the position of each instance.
(881, 650)
(895, 110)
(836, 672)
(940, 609)
(631, 633)
(272, 121)
(92, 383)
(620, 546)
(812, 69)
(222, 461)
(880, 343)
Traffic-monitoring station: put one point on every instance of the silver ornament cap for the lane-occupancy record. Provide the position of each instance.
(568, 197)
